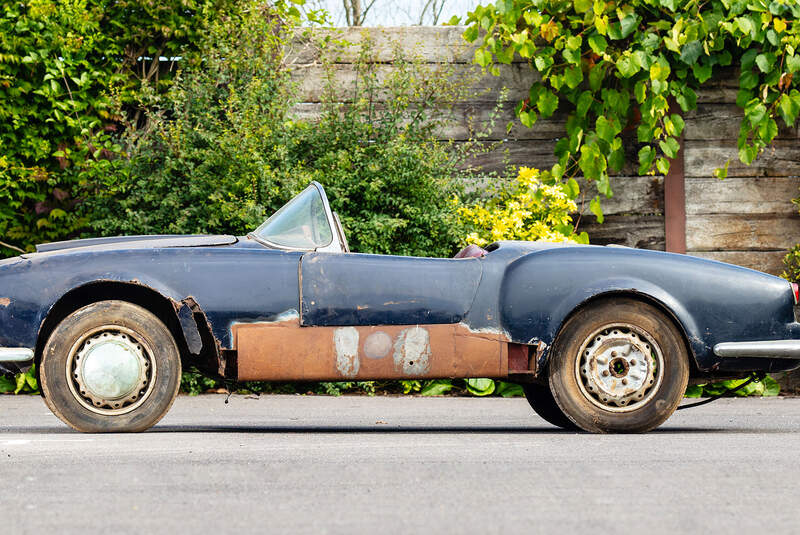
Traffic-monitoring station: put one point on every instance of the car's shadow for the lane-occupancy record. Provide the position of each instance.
(384, 429)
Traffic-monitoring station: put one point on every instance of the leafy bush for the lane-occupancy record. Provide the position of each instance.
(70, 73)
(533, 207)
(224, 150)
(791, 264)
(766, 387)
(637, 64)
(24, 382)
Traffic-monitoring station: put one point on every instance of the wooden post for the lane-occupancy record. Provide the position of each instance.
(675, 203)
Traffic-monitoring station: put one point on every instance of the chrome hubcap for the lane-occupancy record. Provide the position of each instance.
(110, 370)
(619, 368)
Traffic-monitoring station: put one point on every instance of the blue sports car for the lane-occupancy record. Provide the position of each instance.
(604, 339)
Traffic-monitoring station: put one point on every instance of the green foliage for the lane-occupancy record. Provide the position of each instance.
(533, 207)
(212, 152)
(194, 383)
(637, 65)
(474, 387)
(24, 382)
(70, 75)
(766, 387)
(791, 263)
(220, 157)
(7, 384)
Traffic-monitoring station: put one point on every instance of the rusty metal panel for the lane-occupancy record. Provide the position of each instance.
(518, 358)
(285, 351)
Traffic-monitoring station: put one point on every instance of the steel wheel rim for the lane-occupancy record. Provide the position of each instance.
(619, 368)
(111, 370)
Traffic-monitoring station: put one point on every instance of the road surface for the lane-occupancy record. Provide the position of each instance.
(383, 465)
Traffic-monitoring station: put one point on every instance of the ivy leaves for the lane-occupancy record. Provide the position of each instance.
(636, 65)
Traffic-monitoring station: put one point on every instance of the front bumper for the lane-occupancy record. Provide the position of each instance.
(771, 349)
(15, 359)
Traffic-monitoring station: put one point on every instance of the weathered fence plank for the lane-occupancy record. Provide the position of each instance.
(747, 219)
(742, 195)
(740, 232)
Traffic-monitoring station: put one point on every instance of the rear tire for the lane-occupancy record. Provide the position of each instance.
(541, 401)
(619, 366)
(111, 366)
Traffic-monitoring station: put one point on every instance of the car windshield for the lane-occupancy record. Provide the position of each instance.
(300, 224)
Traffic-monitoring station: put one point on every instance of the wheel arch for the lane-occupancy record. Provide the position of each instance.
(195, 342)
(643, 297)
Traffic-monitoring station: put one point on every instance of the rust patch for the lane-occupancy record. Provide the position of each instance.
(518, 358)
(285, 351)
(5, 301)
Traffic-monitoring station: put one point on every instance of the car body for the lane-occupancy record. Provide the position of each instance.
(300, 307)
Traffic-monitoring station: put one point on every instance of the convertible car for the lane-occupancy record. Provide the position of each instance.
(604, 339)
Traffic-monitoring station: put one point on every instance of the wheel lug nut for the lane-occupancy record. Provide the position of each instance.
(633, 362)
(624, 381)
(605, 373)
(613, 353)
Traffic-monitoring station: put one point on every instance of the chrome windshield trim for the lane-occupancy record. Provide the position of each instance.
(271, 245)
(768, 349)
(15, 354)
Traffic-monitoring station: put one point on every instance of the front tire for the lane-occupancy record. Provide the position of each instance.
(110, 366)
(619, 366)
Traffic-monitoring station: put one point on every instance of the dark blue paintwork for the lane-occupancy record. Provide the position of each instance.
(526, 290)
(360, 289)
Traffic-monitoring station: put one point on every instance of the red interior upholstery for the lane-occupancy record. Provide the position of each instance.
(471, 251)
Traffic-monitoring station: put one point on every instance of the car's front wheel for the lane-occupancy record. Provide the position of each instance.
(619, 366)
(110, 366)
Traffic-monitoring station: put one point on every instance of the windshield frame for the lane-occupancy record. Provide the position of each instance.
(335, 244)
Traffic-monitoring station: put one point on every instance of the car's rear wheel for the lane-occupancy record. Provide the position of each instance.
(619, 366)
(111, 366)
(541, 401)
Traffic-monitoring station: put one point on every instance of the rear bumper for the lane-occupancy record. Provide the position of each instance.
(771, 349)
(15, 359)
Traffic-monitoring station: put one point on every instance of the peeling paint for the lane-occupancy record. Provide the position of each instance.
(377, 345)
(345, 340)
(412, 351)
(287, 315)
(5, 301)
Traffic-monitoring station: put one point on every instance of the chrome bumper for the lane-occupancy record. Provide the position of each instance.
(15, 359)
(772, 349)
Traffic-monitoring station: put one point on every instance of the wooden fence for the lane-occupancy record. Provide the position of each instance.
(747, 219)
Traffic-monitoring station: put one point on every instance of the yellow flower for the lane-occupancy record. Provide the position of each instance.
(522, 209)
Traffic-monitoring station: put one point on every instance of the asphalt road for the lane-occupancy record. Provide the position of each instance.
(297, 464)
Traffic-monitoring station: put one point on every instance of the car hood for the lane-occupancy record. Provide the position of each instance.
(140, 242)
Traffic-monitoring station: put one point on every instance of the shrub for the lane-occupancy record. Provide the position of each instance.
(224, 150)
(630, 64)
(791, 263)
(532, 207)
(70, 73)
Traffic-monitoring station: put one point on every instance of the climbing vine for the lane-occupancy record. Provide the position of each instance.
(635, 66)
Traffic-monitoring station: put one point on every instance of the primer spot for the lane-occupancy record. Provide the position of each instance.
(377, 345)
(345, 340)
(412, 351)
